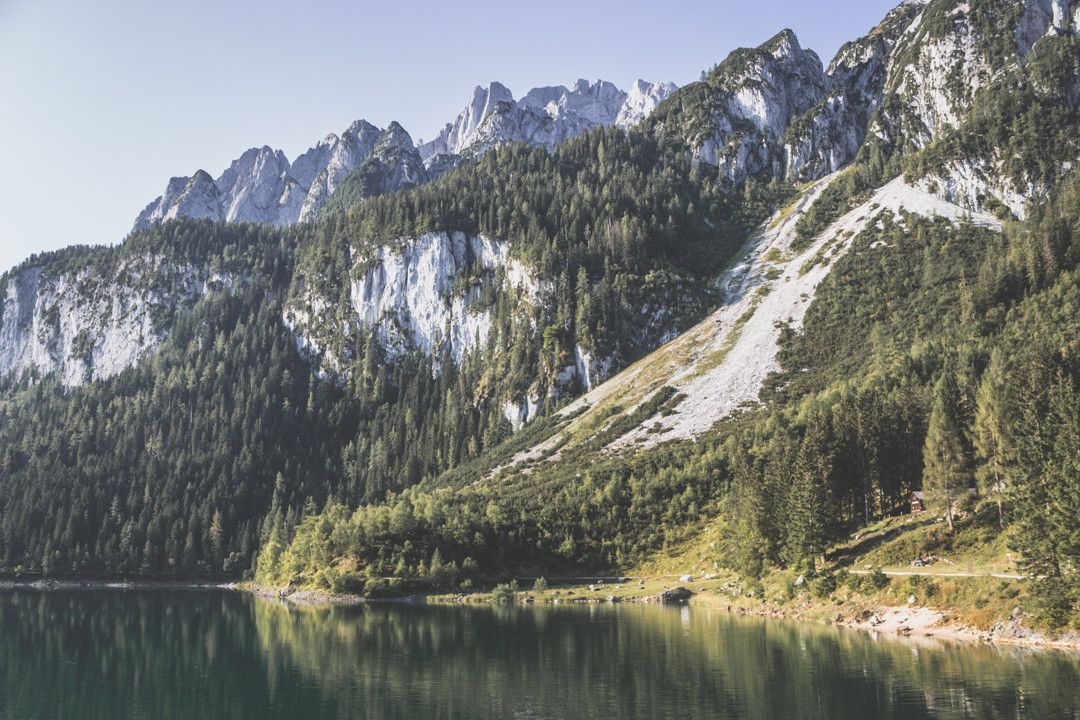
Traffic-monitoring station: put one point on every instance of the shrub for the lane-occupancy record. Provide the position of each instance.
(823, 585)
(540, 585)
(1054, 600)
(1007, 591)
(505, 592)
(348, 582)
(877, 580)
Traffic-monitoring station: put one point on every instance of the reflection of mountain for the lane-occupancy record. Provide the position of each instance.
(156, 654)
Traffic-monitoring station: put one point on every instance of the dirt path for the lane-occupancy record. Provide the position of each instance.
(931, 573)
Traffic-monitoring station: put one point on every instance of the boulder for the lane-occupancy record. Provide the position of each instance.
(674, 595)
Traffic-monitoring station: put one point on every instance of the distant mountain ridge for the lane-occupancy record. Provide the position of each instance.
(545, 116)
(262, 186)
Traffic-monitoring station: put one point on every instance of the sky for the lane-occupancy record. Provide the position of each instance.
(102, 102)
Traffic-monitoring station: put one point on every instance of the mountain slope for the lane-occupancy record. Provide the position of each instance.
(721, 364)
(389, 389)
(876, 340)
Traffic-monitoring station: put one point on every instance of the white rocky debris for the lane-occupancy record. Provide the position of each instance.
(750, 345)
(971, 183)
(721, 363)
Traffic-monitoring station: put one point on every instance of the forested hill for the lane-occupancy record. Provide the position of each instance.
(774, 318)
(919, 346)
(243, 399)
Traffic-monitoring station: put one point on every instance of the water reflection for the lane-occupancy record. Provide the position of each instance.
(142, 654)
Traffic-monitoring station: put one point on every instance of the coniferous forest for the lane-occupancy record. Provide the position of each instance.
(936, 357)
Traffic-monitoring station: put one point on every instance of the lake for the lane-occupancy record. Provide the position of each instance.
(173, 654)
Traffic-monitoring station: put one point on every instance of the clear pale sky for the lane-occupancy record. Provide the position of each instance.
(102, 102)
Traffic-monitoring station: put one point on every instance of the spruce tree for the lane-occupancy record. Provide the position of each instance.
(988, 436)
(810, 511)
(946, 465)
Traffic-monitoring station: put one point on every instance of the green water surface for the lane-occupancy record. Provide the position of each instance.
(165, 654)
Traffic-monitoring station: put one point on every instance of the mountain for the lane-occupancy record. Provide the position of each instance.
(262, 186)
(828, 136)
(737, 117)
(545, 116)
(789, 297)
(853, 356)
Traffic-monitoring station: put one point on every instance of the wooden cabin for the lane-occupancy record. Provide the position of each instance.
(916, 502)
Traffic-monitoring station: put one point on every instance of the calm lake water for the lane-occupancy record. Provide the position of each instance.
(218, 654)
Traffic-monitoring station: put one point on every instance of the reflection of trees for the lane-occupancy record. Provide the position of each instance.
(649, 662)
(201, 655)
(107, 654)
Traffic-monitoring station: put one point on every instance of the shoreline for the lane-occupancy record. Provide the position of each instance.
(915, 624)
(912, 623)
(46, 584)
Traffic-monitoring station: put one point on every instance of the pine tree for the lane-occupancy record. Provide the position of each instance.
(217, 539)
(988, 436)
(946, 465)
(747, 511)
(1044, 465)
(810, 511)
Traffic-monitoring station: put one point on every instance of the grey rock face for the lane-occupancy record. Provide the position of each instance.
(344, 154)
(948, 54)
(829, 136)
(195, 197)
(641, 100)
(1039, 19)
(262, 186)
(545, 116)
(456, 136)
(752, 98)
(90, 322)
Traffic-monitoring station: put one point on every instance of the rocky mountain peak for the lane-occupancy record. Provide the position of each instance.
(456, 136)
(641, 99)
(544, 116)
(394, 135)
(262, 186)
(784, 45)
